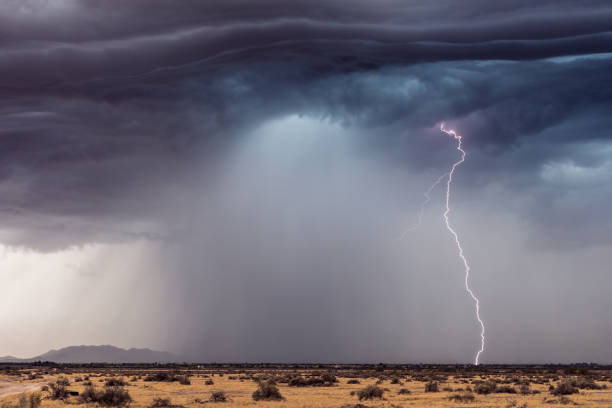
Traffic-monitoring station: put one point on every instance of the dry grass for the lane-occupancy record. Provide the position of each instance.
(238, 386)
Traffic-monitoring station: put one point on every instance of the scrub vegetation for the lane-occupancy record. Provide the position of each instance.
(270, 385)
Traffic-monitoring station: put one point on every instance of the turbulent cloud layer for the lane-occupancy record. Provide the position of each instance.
(262, 158)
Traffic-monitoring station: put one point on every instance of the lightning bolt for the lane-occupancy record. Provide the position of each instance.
(458, 138)
(426, 201)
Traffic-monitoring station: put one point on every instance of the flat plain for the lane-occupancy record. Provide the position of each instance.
(266, 385)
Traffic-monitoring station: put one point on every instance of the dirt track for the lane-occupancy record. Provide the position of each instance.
(13, 387)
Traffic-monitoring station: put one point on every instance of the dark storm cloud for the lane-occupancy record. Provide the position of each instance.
(110, 47)
(142, 120)
(83, 84)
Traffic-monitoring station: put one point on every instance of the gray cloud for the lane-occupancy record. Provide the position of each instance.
(273, 153)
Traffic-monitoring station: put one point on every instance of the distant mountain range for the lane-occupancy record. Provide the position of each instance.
(99, 354)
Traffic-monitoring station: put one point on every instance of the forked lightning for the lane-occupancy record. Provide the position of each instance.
(451, 173)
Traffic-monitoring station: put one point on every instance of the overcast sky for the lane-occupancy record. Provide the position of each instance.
(228, 180)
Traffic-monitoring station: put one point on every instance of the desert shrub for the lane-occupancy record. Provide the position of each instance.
(561, 400)
(525, 389)
(267, 391)
(505, 389)
(63, 381)
(355, 406)
(464, 397)
(447, 389)
(264, 378)
(297, 381)
(183, 379)
(33, 400)
(57, 390)
(164, 403)
(218, 396)
(160, 403)
(353, 381)
(324, 380)
(159, 377)
(25, 401)
(485, 388)
(564, 400)
(115, 382)
(168, 377)
(585, 384)
(564, 388)
(370, 392)
(329, 378)
(114, 396)
(431, 386)
(395, 380)
(403, 391)
(110, 396)
(514, 404)
(209, 382)
(89, 394)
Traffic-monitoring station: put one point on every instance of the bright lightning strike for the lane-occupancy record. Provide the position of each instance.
(458, 138)
(427, 193)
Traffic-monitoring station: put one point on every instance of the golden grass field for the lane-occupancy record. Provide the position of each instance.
(239, 385)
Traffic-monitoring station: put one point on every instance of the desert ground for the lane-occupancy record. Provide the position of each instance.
(177, 386)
